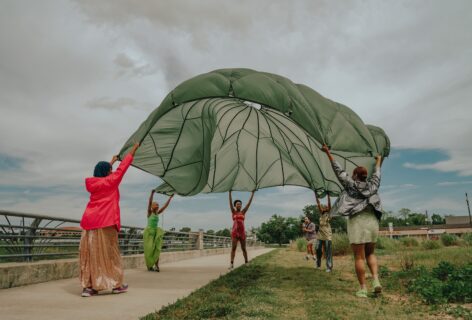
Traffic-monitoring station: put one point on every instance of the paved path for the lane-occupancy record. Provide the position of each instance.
(149, 291)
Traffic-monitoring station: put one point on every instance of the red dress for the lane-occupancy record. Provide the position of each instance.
(238, 231)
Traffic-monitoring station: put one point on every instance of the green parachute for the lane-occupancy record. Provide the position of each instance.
(240, 129)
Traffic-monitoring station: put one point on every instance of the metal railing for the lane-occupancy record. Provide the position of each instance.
(28, 237)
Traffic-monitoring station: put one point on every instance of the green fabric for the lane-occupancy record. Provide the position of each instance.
(153, 220)
(152, 238)
(239, 129)
(363, 227)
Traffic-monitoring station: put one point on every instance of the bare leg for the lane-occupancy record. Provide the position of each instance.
(157, 265)
(311, 250)
(243, 247)
(359, 257)
(233, 249)
(371, 259)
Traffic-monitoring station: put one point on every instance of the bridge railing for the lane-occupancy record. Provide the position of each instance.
(30, 237)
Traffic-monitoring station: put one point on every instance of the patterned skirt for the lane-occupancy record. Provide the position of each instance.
(100, 259)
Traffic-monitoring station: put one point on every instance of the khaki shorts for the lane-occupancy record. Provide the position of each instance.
(311, 241)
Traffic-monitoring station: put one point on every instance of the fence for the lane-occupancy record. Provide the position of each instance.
(28, 237)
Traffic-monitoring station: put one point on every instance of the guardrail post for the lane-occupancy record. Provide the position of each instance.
(200, 240)
(28, 242)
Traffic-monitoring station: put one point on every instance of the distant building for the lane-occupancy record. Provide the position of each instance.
(457, 220)
(429, 231)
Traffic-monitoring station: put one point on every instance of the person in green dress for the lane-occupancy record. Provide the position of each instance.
(153, 235)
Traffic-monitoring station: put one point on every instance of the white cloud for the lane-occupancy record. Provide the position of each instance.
(452, 183)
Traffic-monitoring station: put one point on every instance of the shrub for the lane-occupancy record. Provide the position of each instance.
(429, 288)
(386, 243)
(446, 283)
(301, 244)
(341, 245)
(431, 244)
(409, 242)
(443, 270)
(449, 239)
(407, 262)
(467, 238)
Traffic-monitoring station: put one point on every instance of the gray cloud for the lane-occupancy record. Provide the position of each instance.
(115, 104)
(77, 78)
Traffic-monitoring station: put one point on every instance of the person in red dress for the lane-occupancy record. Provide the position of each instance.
(238, 232)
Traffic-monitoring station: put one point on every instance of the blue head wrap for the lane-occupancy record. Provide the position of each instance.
(102, 169)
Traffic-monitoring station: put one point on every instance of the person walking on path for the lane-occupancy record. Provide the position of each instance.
(153, 235)
(238, 233)
(99, 254)
(324, 243)
(309, 230)
(360, 201)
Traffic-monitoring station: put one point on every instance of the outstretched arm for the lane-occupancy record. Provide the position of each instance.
(246, 208)
(150, 201)
(374, 182)
(318, 203)
(231, 202)
(165, 205)
(341, 174)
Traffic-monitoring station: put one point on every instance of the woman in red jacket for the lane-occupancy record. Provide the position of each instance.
(99, 258)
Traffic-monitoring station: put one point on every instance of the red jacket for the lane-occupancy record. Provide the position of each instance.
(103, 209)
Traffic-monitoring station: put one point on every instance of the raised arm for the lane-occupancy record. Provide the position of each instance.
(116, 177)
(341, 174)
(165, 205)
(318, 203)
(231, 208)
(374, 182)
(246, 208)
(150, 201)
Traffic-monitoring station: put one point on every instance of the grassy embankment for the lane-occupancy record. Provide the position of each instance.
(282, 285)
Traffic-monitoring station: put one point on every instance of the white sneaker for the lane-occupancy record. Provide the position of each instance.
(231, 267)
(307, 258)
(328, 270)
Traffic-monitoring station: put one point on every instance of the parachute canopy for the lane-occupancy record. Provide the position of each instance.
(240, 129)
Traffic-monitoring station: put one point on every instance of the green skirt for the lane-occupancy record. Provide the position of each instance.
(363, 227)
(153, 238)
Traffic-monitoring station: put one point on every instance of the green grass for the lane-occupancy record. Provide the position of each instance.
(282, 285)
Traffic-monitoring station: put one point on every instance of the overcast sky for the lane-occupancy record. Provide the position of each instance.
(77, 78)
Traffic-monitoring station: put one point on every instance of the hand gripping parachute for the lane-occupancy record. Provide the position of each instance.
(239, 129)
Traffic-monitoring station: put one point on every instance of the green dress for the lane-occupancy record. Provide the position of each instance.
(152, 236)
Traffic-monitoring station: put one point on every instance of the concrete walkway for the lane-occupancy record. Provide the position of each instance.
(149, 291)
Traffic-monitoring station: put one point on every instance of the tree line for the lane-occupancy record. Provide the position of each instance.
(281, 230)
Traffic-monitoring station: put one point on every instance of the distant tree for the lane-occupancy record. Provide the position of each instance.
(185, 229)
(276, 230)
(404, 213)
(223, 233)
(438, 219)
(416, 219)
(210, 231)
(338, 224)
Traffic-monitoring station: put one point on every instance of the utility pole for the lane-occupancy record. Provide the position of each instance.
(468, 207)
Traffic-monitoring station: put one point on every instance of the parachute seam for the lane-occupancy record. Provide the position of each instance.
(273, 141)
(178, 138)
(257, 149)
(237, 145)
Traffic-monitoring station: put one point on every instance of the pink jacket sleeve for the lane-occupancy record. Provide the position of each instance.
(116, 176)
